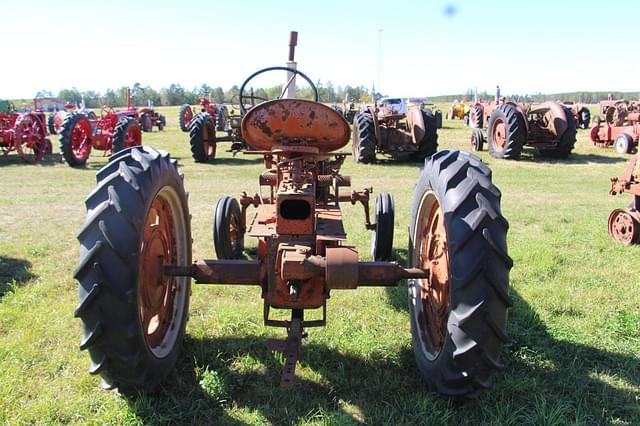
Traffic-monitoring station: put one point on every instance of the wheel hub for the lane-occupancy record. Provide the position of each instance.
(624, 225)
(157, 291)
(499, 134)
(435, 291)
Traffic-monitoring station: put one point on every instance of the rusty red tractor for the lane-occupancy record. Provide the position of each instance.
(394, 130)
(186, 113)
(549, 128)
(135, 265)
(25, 133)
(55, 119)
(111, 132)
(580, 112)
(203, 126)
(148, 118)
(621, 127)
(624, 224)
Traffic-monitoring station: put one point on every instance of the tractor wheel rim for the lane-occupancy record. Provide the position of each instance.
(432, 254)
(30, 140)
(81, 140)
(209, 148)
(234, 233)
(161, 298)
(187, 116)
(499, 134)
(622, 226)
(133, 136)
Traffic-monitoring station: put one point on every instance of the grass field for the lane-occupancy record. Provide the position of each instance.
(574, 355)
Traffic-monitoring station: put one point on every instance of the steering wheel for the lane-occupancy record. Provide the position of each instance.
(107, 110)
(242, 96)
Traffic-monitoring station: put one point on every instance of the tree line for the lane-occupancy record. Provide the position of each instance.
(582, 97)
(175, 94)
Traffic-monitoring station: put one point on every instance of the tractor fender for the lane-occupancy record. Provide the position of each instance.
(555, 116)
(523, 109)
(376, 124)
(416, 124)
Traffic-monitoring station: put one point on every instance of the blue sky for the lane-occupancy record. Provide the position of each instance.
(428, 47)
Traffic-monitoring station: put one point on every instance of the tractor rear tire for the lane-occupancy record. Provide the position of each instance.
(364, 138)
(51, 125)
(126, 134)
(77, 130)
(185, 116)
(458, 315)
(476, 117)
(146, 122)
(567, 140)
(137, 222)
(429, 143)
(585, 118)
(202, 137)
(514, 132)
(228, 237)
(382, 237)
(438, 117)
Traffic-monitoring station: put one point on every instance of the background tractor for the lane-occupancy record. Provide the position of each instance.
(111, 132)
(624, 224)
(550, 128)
(393, 129)
(55, 119)
(580, 112)
(621, 127)
(148, 118)
(458, 111)
(136, 267)
(25, 133)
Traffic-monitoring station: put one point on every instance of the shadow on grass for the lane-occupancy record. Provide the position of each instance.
(574, 158)
(545, 381)
(13, 272)
(13, 158)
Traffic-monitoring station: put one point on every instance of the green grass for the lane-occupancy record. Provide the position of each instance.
(574, 357)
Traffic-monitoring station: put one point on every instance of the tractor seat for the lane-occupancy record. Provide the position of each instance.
(283, 122)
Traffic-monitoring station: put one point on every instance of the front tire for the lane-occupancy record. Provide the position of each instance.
(623, 144)
(133, 316)
(382, 237)
(228, 234)
(458, 315)
(185, 116)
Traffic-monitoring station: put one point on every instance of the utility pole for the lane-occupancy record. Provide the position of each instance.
(379, 60)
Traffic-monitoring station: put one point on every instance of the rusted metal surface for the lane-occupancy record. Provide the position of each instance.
(621, 117)
(342, 267)
(157, 291)
(624, 224)
(298, 122)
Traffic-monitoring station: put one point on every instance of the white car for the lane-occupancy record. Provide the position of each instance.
(393, 105)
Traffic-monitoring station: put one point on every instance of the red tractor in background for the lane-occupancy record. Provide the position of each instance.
(550, 128)
(25, 133)
(621, 127)
(148, 118)
(187, 113)
(111, 132)
(580, 112)
(55, 119)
